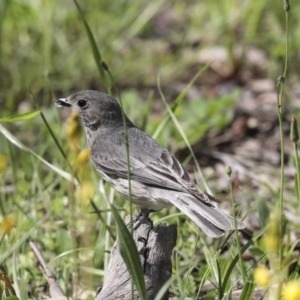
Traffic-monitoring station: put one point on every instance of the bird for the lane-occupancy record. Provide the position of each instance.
(158, 180)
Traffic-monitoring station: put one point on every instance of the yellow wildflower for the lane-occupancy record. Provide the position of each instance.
(274, 223)
(272, 236)
(271, 242)
(291, 291)
(86, 191)
(73, 128)
(8, 223)
(262, 276)
(83, 157)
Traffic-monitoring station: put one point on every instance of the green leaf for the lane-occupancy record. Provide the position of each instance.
(23, 289)
(232, 264)
(247, 290)
(256, 251)
(130, 254)
(219, 280)
(21, 117)
(12, 298)
(263, 212)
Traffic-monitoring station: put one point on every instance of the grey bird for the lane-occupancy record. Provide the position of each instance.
(158, 180)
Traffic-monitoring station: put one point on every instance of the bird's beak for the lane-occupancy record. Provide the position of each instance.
(62, 102)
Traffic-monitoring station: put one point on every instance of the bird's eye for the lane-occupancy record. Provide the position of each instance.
(82, 104)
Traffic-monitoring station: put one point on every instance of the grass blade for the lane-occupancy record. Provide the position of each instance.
(92, 41)
(178, 101)
(162, 292)
(21, 117)
(130, 254)
(247, 290)
(181, 131)
(211, 267)
(20, 241)
(53, 136)
(231, 266)
(20, 145)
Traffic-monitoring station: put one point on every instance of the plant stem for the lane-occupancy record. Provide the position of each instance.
(244, 274)
(297, 171)
(280, 88)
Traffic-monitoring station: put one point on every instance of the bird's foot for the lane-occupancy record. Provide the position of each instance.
(143, 215)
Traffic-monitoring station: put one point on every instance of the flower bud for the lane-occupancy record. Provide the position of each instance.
(86, 191)
(262, 276)
(83, 157)
(291, 291)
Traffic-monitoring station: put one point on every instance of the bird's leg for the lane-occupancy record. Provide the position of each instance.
(141, 216)
(145, 212)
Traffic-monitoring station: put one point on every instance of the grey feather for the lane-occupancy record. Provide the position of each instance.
(158, 178)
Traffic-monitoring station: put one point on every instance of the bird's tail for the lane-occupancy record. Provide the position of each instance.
(210, 219)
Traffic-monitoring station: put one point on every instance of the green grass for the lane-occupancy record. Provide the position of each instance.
(44, 50)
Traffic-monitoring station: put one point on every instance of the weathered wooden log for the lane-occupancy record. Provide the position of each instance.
(155, 245)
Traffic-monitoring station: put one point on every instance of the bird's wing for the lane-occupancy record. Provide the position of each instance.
(149, 163)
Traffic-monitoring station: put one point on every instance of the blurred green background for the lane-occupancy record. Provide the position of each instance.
(45, 54)
(44, 47)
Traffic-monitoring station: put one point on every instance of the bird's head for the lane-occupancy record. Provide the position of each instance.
(94, 108)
